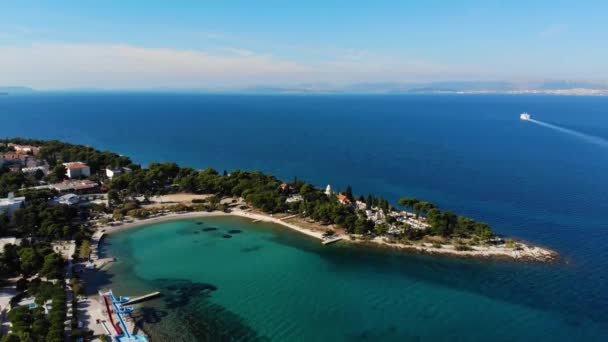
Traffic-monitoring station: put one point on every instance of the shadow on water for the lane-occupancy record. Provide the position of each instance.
(178, 293)
(251, 249)
(188, 314)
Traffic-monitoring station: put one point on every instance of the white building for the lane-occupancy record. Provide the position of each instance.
(328, 190)
(25, 148)
(110, 173)
(394, 230)
(11, 203)
(77, 170)
(32, 170)
(8, 241)
(361, 205)
(294, 198)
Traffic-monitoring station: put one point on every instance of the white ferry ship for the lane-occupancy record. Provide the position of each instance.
(524, 116)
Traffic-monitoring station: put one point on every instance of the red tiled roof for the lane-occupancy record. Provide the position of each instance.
(343, 198)
(76, 165)
(14, 156)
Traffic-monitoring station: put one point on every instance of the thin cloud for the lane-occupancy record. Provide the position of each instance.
(61, 65)
(553, 30)
(78, 65)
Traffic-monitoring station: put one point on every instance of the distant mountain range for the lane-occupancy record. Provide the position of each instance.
(558, 87)
(456, 87)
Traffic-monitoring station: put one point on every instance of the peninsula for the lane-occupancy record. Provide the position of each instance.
(59, 199)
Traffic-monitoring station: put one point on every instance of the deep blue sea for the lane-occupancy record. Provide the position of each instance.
(470, 154)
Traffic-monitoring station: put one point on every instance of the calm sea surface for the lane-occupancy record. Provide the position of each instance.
(468, 153)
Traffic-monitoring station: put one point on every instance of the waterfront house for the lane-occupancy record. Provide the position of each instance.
(343, 199)
(394, 230)
(77, 170)
(361, 205)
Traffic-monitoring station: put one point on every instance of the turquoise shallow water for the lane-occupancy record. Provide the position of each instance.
(268, 283)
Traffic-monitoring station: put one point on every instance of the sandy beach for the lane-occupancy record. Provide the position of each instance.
(187, 215)
(524, 252)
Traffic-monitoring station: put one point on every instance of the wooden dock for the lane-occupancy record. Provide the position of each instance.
(142, 298)
(327, 241)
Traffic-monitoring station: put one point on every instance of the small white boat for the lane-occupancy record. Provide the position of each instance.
(524, 116)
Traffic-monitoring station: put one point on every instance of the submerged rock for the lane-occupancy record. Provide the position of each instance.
(226, 236)
(234, 231)
(209, 229)
(251, 249)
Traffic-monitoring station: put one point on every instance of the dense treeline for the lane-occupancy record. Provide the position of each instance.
(42, 219)
(261, 190)
(264, 192)
(13, 181)
(446, 223)
(449, 224)
(30, 259)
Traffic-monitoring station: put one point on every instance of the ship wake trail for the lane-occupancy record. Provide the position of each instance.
(588, 138)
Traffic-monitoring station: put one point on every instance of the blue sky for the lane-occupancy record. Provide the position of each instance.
(192, 44)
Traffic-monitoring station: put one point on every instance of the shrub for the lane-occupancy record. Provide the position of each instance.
(406, 242)
(138, 213)
(462, 247)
